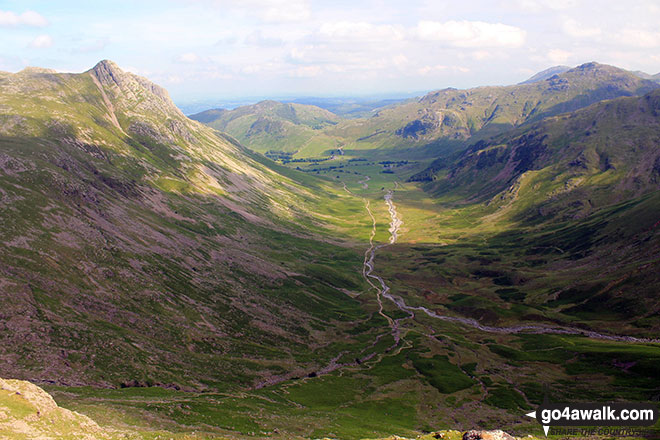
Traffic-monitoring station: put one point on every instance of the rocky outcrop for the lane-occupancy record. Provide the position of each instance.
(27, 411)
(487, 435)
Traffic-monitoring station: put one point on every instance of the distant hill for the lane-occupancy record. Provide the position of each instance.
(351, 107)
(547, 73)
(271, 125)
(645, 75)
(452, 114)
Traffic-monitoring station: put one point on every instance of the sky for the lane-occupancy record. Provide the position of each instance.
(228, 49)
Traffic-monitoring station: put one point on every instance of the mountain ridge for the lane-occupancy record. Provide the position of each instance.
(443, 120)
(269, 125)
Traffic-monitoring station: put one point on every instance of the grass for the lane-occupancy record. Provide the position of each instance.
(441, 374)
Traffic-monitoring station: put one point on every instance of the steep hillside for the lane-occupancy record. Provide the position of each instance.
(580, 194)
(141, 248)
(604, 154)
(270, 125)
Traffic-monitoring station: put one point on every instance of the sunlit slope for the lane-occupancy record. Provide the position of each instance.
(138, 247)
(270, 126)
(29, 412)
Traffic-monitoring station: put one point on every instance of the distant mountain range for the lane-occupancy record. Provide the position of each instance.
(439, 120)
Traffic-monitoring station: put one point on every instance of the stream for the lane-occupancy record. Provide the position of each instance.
(384, 292)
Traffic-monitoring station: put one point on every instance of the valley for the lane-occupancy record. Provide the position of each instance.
(389, 275)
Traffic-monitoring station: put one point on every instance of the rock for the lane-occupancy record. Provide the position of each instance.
(487, 435)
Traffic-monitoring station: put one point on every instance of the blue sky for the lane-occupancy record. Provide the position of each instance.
(224, 49)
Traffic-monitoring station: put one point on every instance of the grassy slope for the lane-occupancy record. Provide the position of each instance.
(273, 126)
(29, 412)
(446, 376)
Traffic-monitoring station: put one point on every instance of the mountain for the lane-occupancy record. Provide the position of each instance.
(547, 73)
(126, 222)
(270, 125)
(452, 114)
(612, 144)
(586, 182)
(645, 75)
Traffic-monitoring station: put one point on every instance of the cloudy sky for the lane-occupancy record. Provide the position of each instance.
(222, 49)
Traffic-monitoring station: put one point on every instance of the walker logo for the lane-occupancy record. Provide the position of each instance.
(595, 414)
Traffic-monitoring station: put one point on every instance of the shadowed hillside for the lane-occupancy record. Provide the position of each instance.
(126, 222)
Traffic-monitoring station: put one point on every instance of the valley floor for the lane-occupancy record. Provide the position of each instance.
(443, 348)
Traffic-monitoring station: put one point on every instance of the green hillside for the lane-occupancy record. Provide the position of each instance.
(590, 158)
(270, 126)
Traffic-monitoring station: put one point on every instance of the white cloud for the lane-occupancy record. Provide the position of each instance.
(577, 30)
(639, 38)
(188, 58)
(307, 71)
(481, 55)
(558, 56)
(541, 5)
(400, 61)
(271, 11)
(361, 31)
(257, 38)
(471, 34)
(428, 70)
(27, 18)
(41, 42)
(276, 11)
